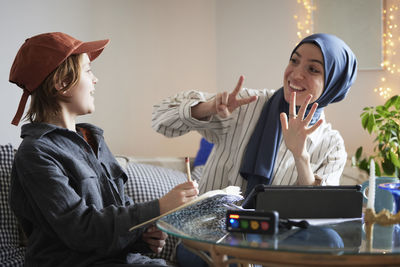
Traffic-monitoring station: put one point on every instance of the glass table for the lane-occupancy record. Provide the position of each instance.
(340, 242)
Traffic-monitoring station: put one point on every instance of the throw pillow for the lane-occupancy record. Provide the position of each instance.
(203, 153)
(148, 182)
(11, 254)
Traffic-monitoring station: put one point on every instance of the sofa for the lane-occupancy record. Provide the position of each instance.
(149, 178)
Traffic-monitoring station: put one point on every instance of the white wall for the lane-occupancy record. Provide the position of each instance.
(19, 20)
(160, 47)
(157, 48)
(254, 39)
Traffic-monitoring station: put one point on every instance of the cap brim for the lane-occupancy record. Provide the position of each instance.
(93, 49)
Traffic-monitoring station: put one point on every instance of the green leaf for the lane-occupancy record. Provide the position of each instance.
(364, 120)
(395, 159)
(364, 165)
(380, 109)
(384, 122)
(397, 102)
(377, 169)
(359, 153)
(390, 102)
(388, 167)
(371, 123)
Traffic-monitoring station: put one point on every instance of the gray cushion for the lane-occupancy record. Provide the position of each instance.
(148, 182)
(11, 254)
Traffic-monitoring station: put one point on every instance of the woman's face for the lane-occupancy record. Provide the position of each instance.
(82, 99)
(304, 74)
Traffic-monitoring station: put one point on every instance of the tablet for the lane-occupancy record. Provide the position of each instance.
(307, 201)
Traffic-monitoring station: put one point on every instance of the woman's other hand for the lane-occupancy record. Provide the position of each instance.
(295, 132)
(223, 104)
(155, 238)
(179, 195)
(296, 129)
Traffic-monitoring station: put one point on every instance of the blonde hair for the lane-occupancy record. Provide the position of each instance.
(46, 98)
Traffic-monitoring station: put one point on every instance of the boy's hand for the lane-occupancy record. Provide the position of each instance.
(179, 195)
(155, 238)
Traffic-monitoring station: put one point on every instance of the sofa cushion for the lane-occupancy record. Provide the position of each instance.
(148, 182)
(11, 254)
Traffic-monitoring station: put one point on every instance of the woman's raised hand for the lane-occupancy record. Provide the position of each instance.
(296, 129)
(226, 103)
(223, 104)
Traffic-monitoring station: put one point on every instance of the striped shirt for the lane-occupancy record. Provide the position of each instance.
(172, 117)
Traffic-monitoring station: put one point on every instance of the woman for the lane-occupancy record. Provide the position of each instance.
(67, 187)
(247, 126)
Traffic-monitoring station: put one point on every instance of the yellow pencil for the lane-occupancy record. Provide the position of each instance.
(188, 169)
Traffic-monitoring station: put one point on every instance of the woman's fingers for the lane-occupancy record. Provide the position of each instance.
(245, 101)
(292, 106)
(303, 107)
(226, 102)
(310, 115)
(218, 99)
(238, 86)
(314, 127)
(222, 109)
(224, 98)
(284, 121)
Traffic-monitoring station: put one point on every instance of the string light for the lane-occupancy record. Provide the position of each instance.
(305, 25)
(390, 42)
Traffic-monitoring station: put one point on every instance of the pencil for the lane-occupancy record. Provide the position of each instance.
(188, 169)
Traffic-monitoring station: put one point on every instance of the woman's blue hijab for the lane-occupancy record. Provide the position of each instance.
(340, 65)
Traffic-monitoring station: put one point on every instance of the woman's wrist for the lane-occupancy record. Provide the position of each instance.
(303, 158)
(304, 171)
(204, 110)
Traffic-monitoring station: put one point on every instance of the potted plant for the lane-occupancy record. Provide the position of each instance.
(384, 122)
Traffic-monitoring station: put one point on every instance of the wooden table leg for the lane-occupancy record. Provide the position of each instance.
(217, 258)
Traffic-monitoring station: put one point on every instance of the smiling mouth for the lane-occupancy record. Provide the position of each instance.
(296, 88)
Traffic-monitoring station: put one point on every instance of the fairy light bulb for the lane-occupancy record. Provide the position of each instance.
(304, 23)
(390, 41)
(390, 38)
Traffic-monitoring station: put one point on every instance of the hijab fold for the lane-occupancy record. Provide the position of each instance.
(340, 68)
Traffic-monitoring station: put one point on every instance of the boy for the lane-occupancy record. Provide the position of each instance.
(67, 187)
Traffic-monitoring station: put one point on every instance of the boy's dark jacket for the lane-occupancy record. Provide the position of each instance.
(70, 199)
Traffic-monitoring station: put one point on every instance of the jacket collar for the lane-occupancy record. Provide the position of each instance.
(38, 130)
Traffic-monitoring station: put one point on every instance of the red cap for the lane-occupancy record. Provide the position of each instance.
(42, 54)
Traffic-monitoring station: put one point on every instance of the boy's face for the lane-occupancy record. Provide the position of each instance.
(81, 95)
